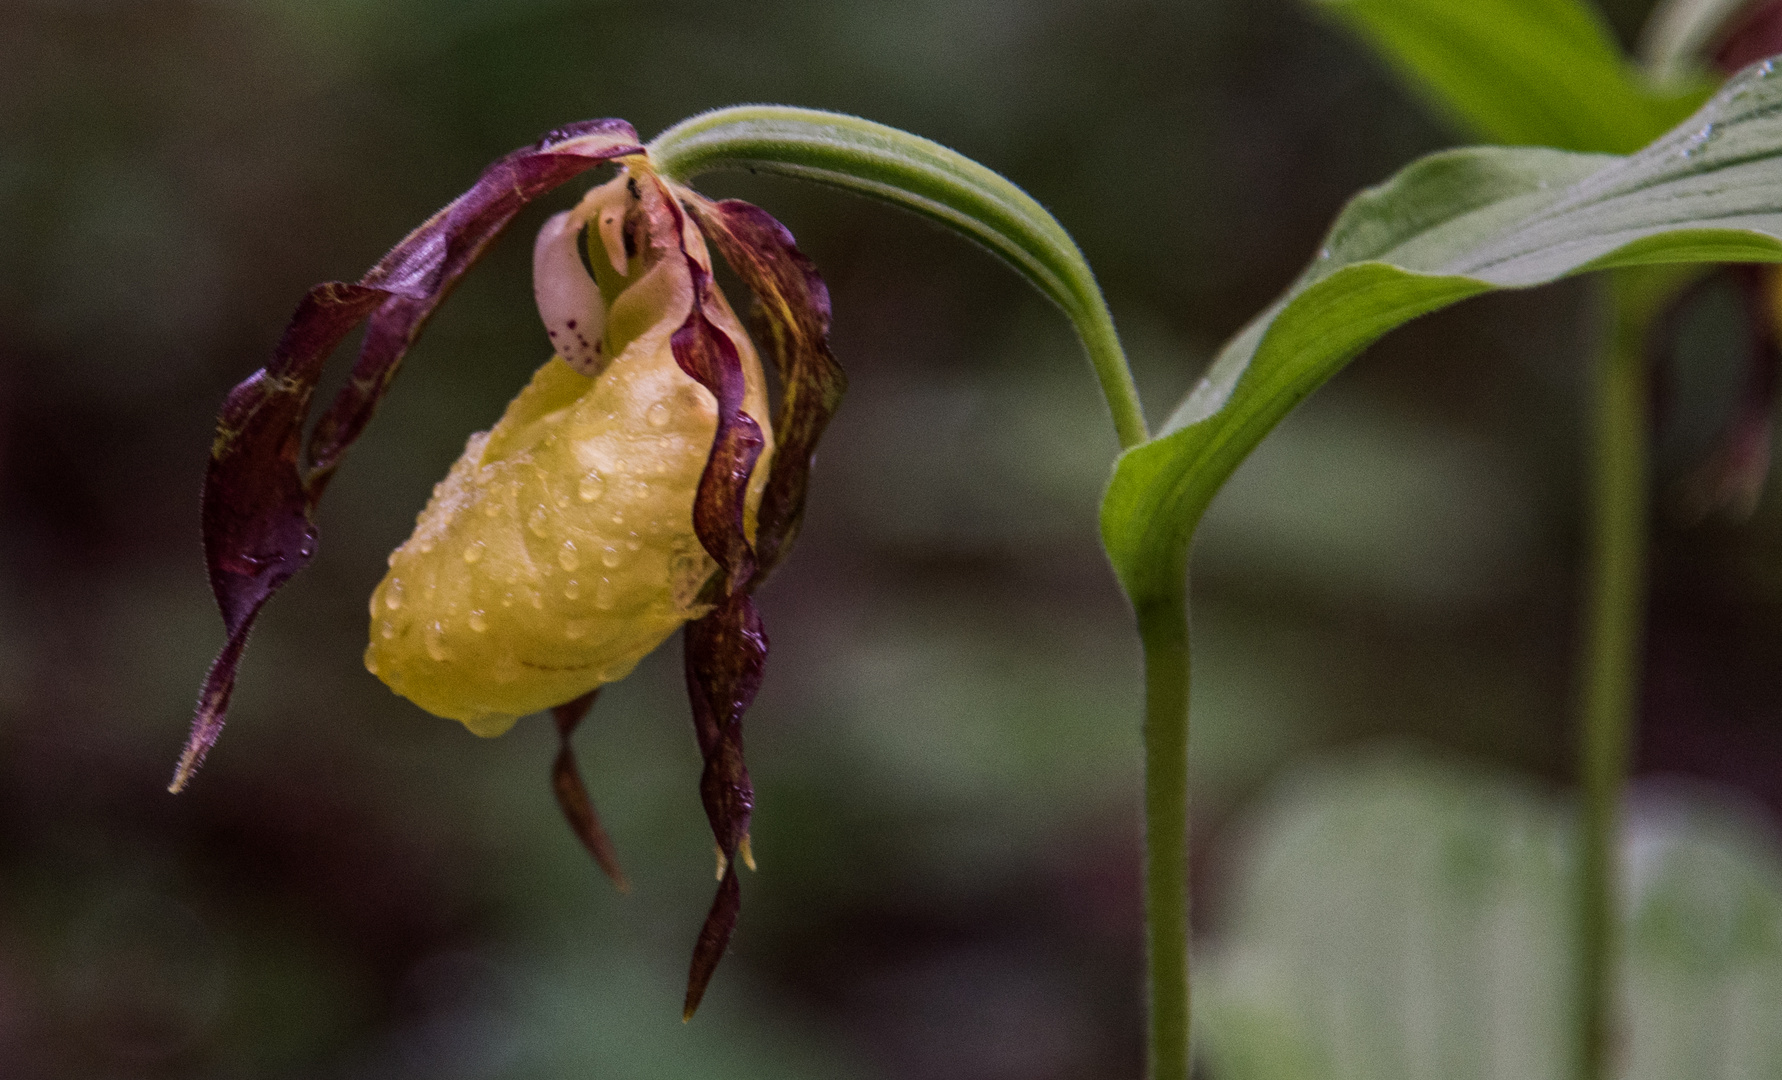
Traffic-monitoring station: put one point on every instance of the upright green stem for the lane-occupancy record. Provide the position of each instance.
(1163, 627)
(1612, 660)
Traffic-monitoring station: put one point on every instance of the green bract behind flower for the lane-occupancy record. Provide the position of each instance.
(561, 549)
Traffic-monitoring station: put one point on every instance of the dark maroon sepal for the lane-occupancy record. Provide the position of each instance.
(708, 355)
(790, 316)
(727, 648)
(259, 500)
(714, 938)
(726, 652)
(572, 793)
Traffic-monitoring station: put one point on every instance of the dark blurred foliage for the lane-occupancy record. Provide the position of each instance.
(946, 747)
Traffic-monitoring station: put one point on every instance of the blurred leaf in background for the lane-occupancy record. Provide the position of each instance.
(1526, 72)
(1393, 917)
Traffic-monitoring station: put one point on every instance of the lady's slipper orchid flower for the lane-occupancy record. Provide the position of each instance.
(560, 550)
(633, 486)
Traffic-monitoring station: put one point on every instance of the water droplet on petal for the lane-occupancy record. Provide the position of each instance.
(567, 558)
(657, 415)
(562, 501)
(536, 521)
(426, 546)
(611, 557)
(603, 595)
(393, 594)
(477, 622)
(491, 509)
(591, 487)
(572, 589)
(388, 630)
(370, 660)
(575, 629)
(433, 637)
(473, 552)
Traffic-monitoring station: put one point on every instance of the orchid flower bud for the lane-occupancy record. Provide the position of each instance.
(560, 549)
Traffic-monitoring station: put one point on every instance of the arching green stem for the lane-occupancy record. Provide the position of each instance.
(926, 177)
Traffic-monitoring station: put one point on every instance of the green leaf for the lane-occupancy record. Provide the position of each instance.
(1523, 72)
(1452, 225)
(1399, 921)
(920, 175)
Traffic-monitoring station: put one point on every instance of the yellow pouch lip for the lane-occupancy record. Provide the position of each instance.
(641, 409)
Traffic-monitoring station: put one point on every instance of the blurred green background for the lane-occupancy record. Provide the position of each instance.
(945, 750)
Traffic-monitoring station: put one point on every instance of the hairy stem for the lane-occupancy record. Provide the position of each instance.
(1612, 661)
(1163, 627)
